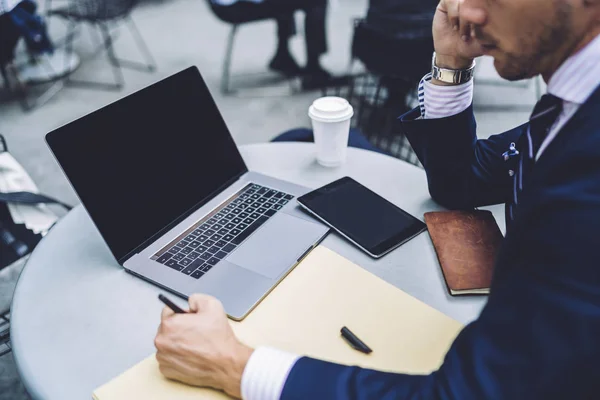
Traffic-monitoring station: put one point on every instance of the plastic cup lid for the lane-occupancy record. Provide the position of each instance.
(330, 109)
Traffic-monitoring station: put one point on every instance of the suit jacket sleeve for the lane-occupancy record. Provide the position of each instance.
(462, 172)
(537, 337)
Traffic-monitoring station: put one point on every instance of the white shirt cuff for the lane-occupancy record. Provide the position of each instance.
(265, 374)
(446, 101)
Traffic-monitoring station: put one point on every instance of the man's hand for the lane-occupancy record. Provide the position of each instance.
(200, 348)
(453, 34)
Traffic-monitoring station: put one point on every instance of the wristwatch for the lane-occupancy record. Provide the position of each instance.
(453, 76)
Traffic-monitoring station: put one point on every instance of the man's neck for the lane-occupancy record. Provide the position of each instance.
(574, 49)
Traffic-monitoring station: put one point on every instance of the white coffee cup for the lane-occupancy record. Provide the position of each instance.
(331, 126)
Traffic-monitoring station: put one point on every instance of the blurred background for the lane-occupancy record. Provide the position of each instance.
(391, 49)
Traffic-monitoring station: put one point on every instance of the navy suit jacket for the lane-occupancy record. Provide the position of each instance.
(538, 337)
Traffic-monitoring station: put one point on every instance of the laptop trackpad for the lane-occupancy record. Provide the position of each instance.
(277, 245)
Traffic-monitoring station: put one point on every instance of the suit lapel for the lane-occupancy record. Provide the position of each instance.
(585, 122)
(569, 141)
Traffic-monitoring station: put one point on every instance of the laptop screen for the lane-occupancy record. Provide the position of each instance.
(149, 160)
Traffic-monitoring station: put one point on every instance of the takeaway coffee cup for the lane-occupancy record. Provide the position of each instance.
(331, 126)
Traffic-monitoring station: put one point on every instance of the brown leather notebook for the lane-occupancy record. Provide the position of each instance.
(467, 244)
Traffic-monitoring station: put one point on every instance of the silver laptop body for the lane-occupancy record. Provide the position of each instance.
(246, 275)
(236, 241)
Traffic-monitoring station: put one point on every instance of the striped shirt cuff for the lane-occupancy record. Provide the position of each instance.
(437, 101)
(266, 372)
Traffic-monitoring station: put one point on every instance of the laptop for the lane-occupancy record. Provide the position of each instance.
(163, 181)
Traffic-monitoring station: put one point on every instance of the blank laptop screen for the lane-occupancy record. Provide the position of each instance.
(148, 160)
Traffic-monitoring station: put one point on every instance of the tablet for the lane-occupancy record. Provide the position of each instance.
(363, 217)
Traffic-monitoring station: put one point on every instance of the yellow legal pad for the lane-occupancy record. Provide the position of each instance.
(305, 313)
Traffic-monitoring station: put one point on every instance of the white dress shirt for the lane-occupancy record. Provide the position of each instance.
(8, 5)
(574, 82)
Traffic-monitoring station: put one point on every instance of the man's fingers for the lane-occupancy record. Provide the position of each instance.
(200, 302)
(453, 9)
(475, 16)
(166, 313)
(442, 6)
(168, 372)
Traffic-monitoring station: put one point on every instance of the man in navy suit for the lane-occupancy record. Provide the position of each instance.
(539, 335)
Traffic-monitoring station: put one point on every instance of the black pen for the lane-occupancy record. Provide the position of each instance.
(170, 304)
(354, 341)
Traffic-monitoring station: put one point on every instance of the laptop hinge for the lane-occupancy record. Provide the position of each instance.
(178, 220)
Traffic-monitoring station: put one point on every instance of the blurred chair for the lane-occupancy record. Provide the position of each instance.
(104, 14)
(394, 43)
(374, 125)
(376, 112)
(228, 60)
(4, 333)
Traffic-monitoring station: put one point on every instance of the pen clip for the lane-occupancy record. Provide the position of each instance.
(512, 152)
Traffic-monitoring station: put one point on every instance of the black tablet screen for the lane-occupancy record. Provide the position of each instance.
(362, 216)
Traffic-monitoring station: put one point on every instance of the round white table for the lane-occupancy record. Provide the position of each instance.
(78, 319)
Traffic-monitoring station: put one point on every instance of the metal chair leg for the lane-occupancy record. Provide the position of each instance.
(107, 41)
(374, 112)
(4, 334)
(110, 51)
(294, 84)
(226, 76)
(29, 104)
(362, 97)
(45, 97)
(150, 65)
(107, 44)
(69, 38)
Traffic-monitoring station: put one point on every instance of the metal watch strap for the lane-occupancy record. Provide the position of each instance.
(453, 76)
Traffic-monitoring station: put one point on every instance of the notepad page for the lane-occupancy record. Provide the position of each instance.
(304, 314)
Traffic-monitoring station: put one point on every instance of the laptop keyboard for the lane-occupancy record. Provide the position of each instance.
(213, 240)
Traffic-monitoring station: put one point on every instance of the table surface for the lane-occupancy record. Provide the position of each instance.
(78, 319)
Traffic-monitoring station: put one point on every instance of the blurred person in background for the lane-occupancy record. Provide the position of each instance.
(19, 20)
(313, 74)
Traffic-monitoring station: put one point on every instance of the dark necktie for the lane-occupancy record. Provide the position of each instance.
(542, 119)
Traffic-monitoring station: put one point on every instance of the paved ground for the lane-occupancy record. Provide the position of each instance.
(181, 33)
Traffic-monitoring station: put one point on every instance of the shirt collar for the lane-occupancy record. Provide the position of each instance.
(579, 76)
